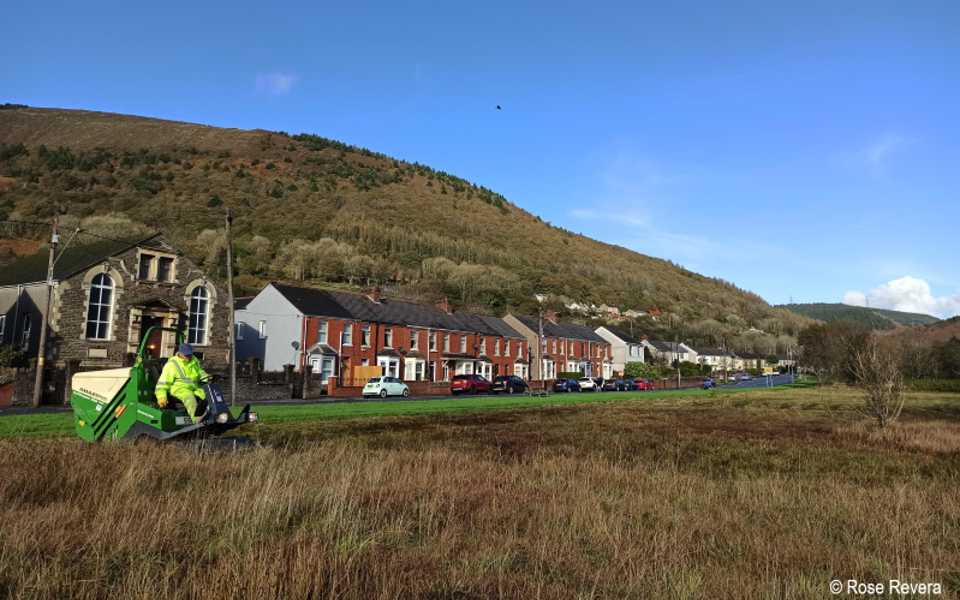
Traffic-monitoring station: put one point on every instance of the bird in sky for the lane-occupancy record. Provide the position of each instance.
(498, 107)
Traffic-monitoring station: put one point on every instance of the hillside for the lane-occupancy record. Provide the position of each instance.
(874, 318)
(313, 209)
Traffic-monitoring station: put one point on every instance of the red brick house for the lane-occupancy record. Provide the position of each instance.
(568, 347)
(336, 331)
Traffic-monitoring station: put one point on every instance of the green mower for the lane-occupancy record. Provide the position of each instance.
(120, 404)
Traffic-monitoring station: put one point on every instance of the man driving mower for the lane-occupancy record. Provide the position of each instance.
(183, 378)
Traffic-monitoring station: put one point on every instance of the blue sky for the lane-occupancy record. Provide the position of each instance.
(803, 150)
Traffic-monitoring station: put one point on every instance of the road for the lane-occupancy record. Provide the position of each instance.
(762, 381)
(755, 382)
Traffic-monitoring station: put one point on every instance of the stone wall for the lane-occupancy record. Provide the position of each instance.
(69, 312)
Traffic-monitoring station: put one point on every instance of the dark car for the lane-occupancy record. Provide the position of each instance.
(469, 384)
(508, 384)
(614, 385)
(709, 383)
(566, 385)
(629, 384)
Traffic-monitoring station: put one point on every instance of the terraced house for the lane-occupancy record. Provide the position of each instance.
(334, 332)
(567, 347)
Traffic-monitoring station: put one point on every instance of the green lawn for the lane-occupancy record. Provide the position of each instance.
(60, 424)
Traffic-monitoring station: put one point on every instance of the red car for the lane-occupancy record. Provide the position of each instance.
(642, 384)
(469, 384)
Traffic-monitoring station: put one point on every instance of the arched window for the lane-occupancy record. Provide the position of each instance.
(100, 307)
(199, 311)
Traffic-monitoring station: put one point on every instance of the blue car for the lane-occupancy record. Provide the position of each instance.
(709, 383)
(566, 385)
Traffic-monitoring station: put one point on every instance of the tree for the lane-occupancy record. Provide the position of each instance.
(828, 349)
(878, 373)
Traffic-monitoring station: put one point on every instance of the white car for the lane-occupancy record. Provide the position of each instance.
(385, 386)
(588, 385)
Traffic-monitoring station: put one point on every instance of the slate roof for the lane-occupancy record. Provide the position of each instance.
(347, 305)
(76, 258)
(562, 330)
(713, 352)
(241, 303)
(662, 346)
(624, 335)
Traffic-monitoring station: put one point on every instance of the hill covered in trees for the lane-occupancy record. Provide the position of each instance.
(316, 210)
(872, 318)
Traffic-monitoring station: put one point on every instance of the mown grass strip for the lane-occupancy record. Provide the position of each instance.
(60, 424)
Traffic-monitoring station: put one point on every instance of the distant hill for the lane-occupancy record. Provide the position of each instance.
(316, 210)
(874, 318)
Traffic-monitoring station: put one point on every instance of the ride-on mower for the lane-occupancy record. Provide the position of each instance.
(120, 403)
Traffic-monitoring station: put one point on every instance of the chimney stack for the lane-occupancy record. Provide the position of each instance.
(374, 294)
(444, 305)
(550, 315)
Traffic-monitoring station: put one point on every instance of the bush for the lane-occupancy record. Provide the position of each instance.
(570, 375)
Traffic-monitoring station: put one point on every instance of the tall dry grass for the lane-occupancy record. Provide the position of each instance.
(689, 505)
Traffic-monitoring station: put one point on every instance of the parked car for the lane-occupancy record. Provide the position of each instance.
(566, 385)
(744, 377)
(508, 384)
(469, 384)
(642, 384)
(385, 386)
(629, 384)
(587, 384)
(709, 383)
(614, 385)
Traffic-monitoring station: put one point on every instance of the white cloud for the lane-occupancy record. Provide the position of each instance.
(881, 149)
(909, 294)
(855, 298)
(277, 84)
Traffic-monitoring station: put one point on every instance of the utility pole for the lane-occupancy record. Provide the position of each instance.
(543, 380)
(42, 349)
(230, 312)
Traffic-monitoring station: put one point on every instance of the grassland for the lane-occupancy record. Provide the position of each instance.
(743, 495)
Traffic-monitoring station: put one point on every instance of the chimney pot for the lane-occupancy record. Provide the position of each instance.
(444, 305)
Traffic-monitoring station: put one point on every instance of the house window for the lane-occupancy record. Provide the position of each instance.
(388, 338)
(520, 350)
(325, 366)
(463, 344)
(446, 345)
(99, 307)
(25, 332)
(322, 332)
(146, 262)
(199, 312)
(347, 335)
(432, 341)
(239, 333)
(390, 365)
(262, 329)
(483, 346)
(364, 362)
(3, 326)
(165, 269)
(414, 369)
(414, 339)
(365, 336)
(496, 347)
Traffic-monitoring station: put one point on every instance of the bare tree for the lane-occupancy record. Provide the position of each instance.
(876, 368)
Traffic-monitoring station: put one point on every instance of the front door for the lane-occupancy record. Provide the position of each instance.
(155, 342)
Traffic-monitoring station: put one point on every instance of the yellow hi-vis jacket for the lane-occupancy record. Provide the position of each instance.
(181, 377)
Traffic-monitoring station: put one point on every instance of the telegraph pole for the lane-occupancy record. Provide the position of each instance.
(42, 349)
(230, 312)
